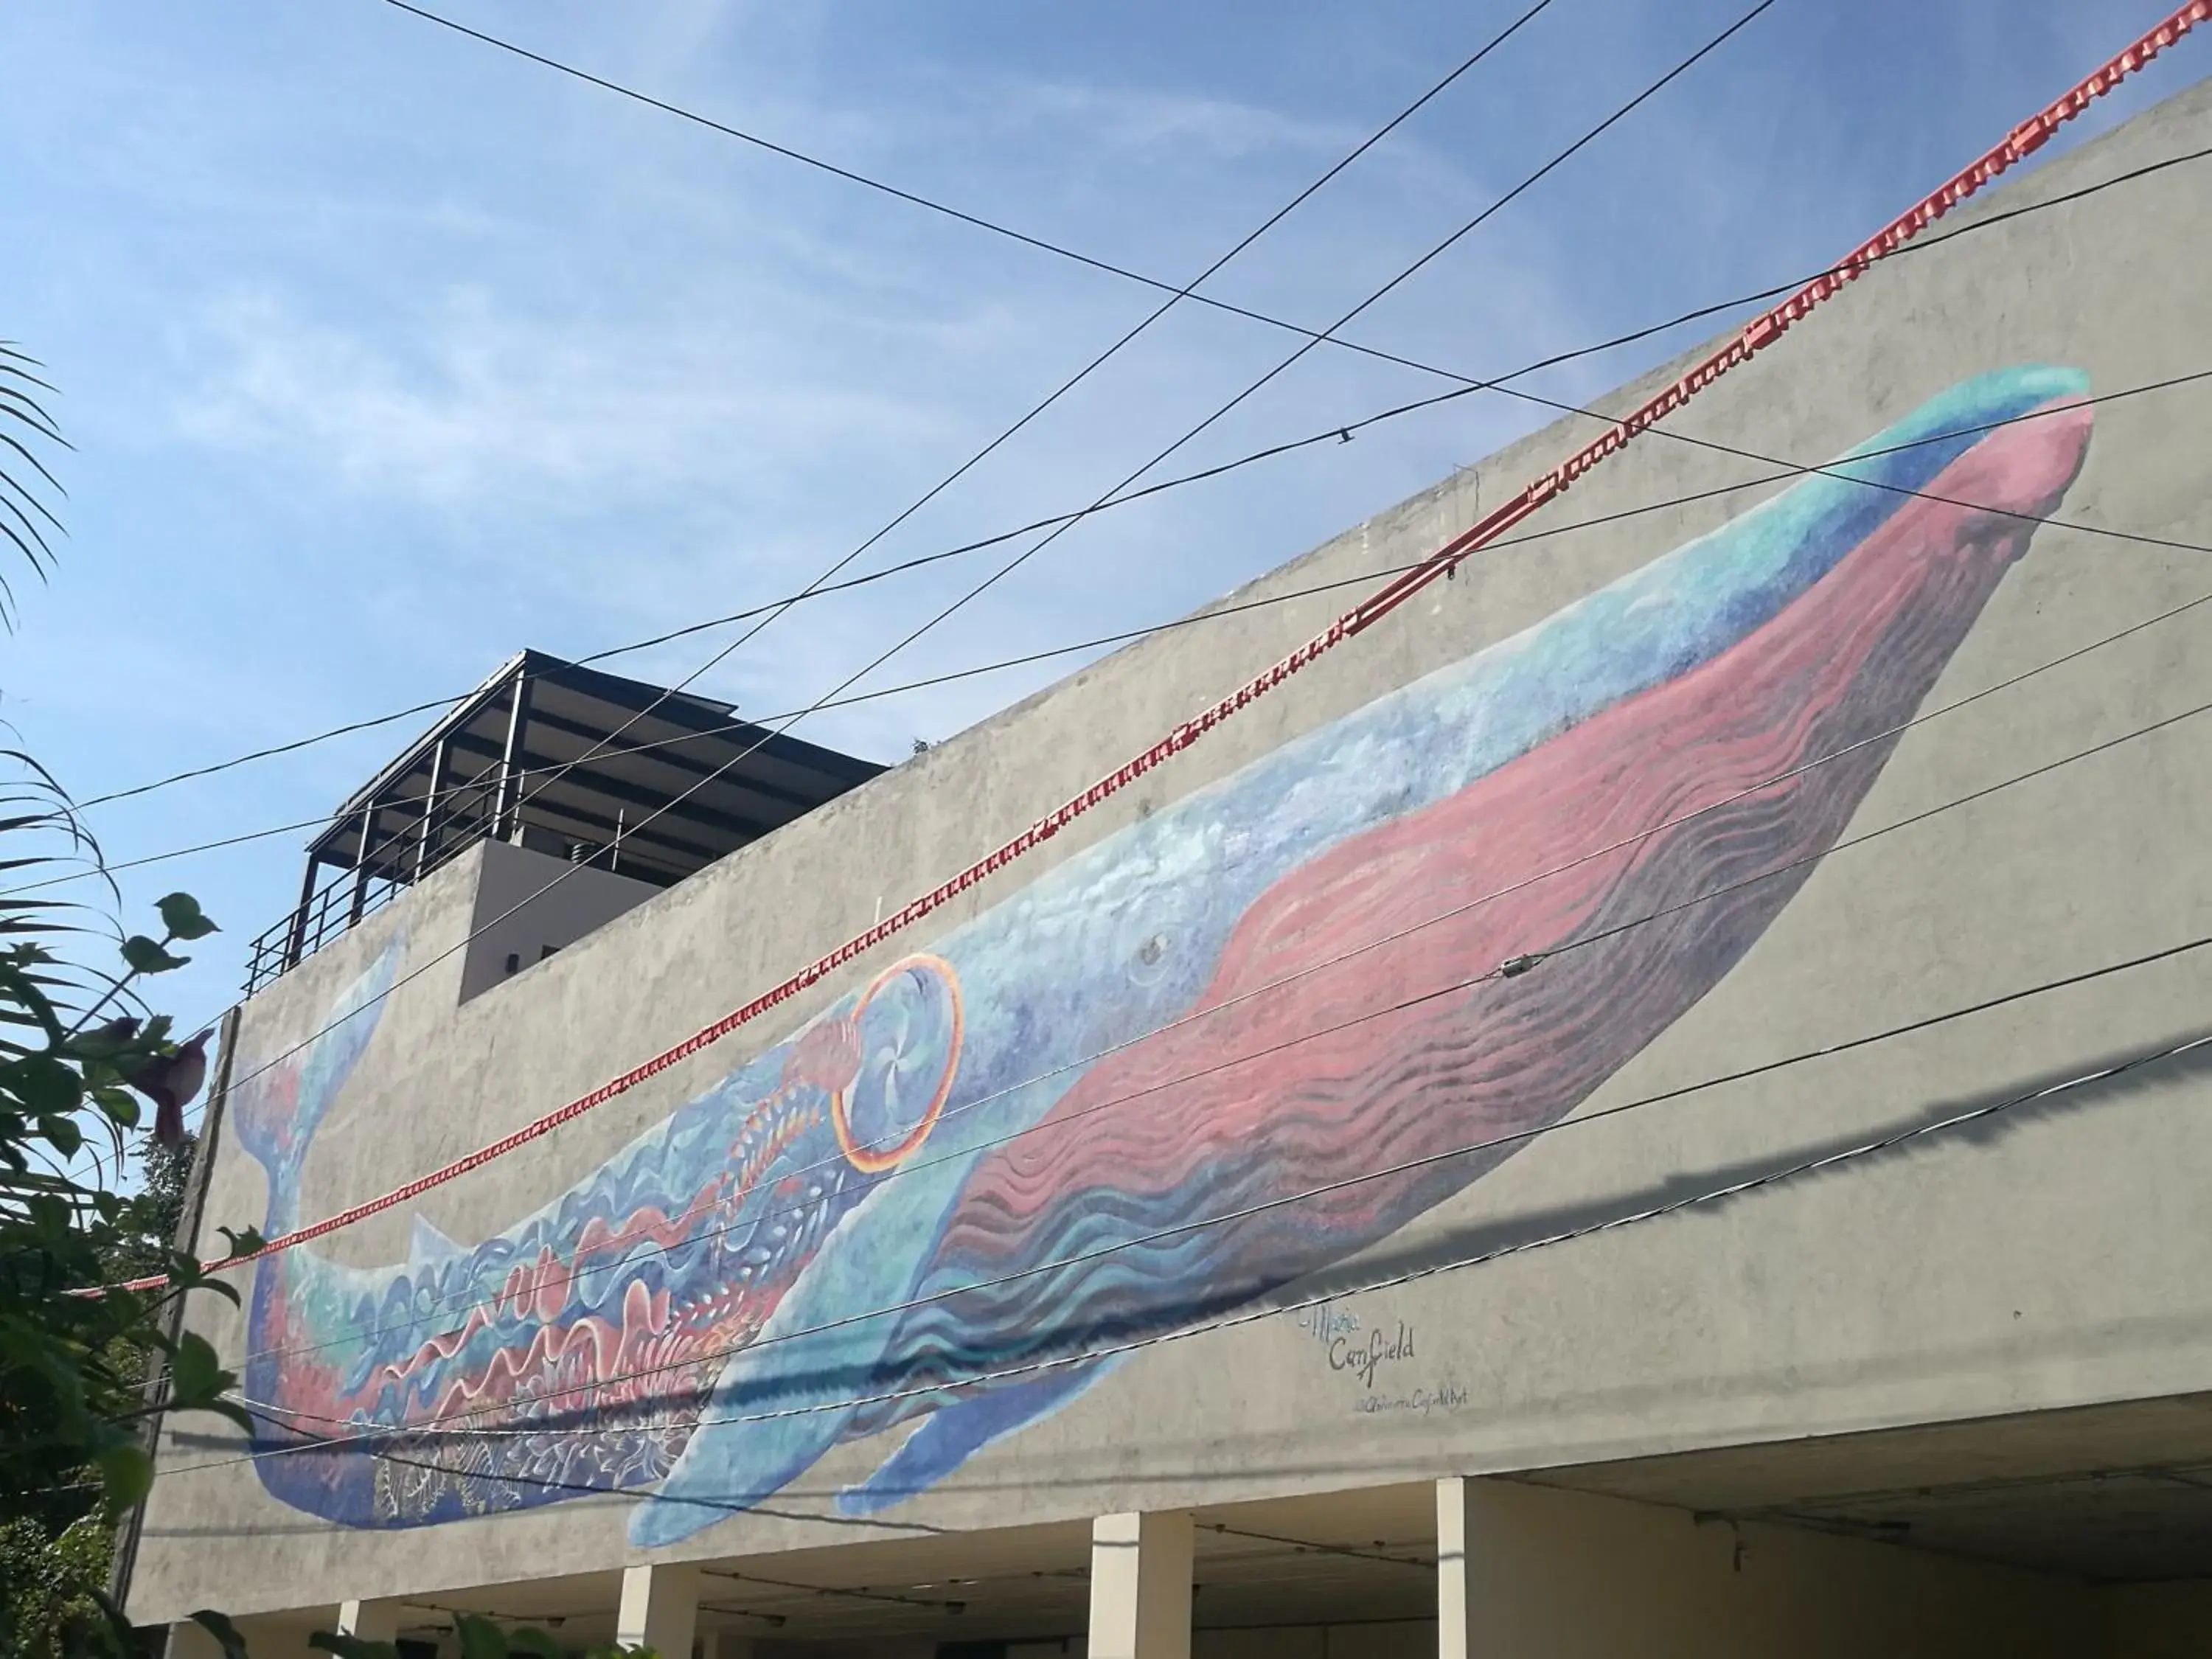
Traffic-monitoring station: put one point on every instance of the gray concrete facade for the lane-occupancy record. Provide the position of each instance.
(2049, 1257)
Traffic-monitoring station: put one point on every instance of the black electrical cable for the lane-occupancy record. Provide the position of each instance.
(1041, 244)
(1175, 296)
(911, 197)
(599, 746)
(1663, 81)
(1465, 389)
(1787, 471)
(419, 1431)
(1511, 969)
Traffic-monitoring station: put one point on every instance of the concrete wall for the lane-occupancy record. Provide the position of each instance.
(529, 906)
(2049, 1258)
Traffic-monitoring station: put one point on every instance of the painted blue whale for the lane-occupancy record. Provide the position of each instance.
(872, 1220)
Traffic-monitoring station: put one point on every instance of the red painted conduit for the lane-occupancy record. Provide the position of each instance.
(1762, 332)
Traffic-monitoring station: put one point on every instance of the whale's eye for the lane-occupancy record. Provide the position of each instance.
(1152, 956)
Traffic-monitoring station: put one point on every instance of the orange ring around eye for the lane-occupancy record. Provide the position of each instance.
(870, 1160)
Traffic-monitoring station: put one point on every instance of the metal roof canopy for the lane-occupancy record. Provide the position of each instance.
(565, 760)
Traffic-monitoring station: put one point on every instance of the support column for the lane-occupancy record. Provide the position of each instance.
(507, 819)
(434, 807)
(1454, 1588)
(295, 945)
(660, 1609)
(1140, 1586)
(360, 866)
(371, 1621)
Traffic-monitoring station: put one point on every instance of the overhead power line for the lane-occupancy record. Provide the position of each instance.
(1224, 611)
(1173, 744)
(1176, 295)
(1763, 332)
(1512, 967)
(1465, 388)
(2151, 43)
(1787, 469)
(1734, 1190)
(1219, 612)
(914, 198)
(1812, 1164)
(599, 745)
(441, 1428)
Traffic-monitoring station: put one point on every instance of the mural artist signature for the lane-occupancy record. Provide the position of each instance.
(1364, 1359)
(1370, 1354)
(1448, 1396)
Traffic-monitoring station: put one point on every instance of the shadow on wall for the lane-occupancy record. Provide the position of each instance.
(1917, 1133)
(1714, 1185)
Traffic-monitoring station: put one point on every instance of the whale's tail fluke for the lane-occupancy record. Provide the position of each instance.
(276, 1110)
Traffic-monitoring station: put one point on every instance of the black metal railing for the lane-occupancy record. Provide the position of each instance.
(439, 832)
(330, 911)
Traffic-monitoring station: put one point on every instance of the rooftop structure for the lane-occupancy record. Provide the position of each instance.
(631, 778)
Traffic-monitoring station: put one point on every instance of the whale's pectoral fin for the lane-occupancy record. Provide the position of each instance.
(786, 1398)
(954, 1433)
(769, 1418)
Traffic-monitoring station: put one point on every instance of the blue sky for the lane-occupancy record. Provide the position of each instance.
(386, 355)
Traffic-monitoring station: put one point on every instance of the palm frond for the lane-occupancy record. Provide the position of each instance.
(9, 357)
(30, 410)
(24, 478)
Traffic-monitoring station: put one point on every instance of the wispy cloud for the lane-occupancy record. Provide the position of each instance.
(1188, 127)
(472, 403)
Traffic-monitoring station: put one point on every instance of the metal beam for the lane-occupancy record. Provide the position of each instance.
(690, 854)
(628, 746)
(361, 862)
(631, 794)
(696, 714)
(505, 821)
(297, 947)
(433, 806)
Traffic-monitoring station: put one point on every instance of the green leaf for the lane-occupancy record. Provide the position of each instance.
(352, 1646)
(181, 915)
(65, 1136)
(225, 1632)
(244, 1242)
(534, 1642)
(145, 956)
(480, 1638)
(118, 1626)
(117, 1106)
(127, 1472)
(184, 1273)
(196, 1376)
(43, 1083)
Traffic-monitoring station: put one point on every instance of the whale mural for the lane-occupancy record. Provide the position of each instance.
(1049, 1133)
